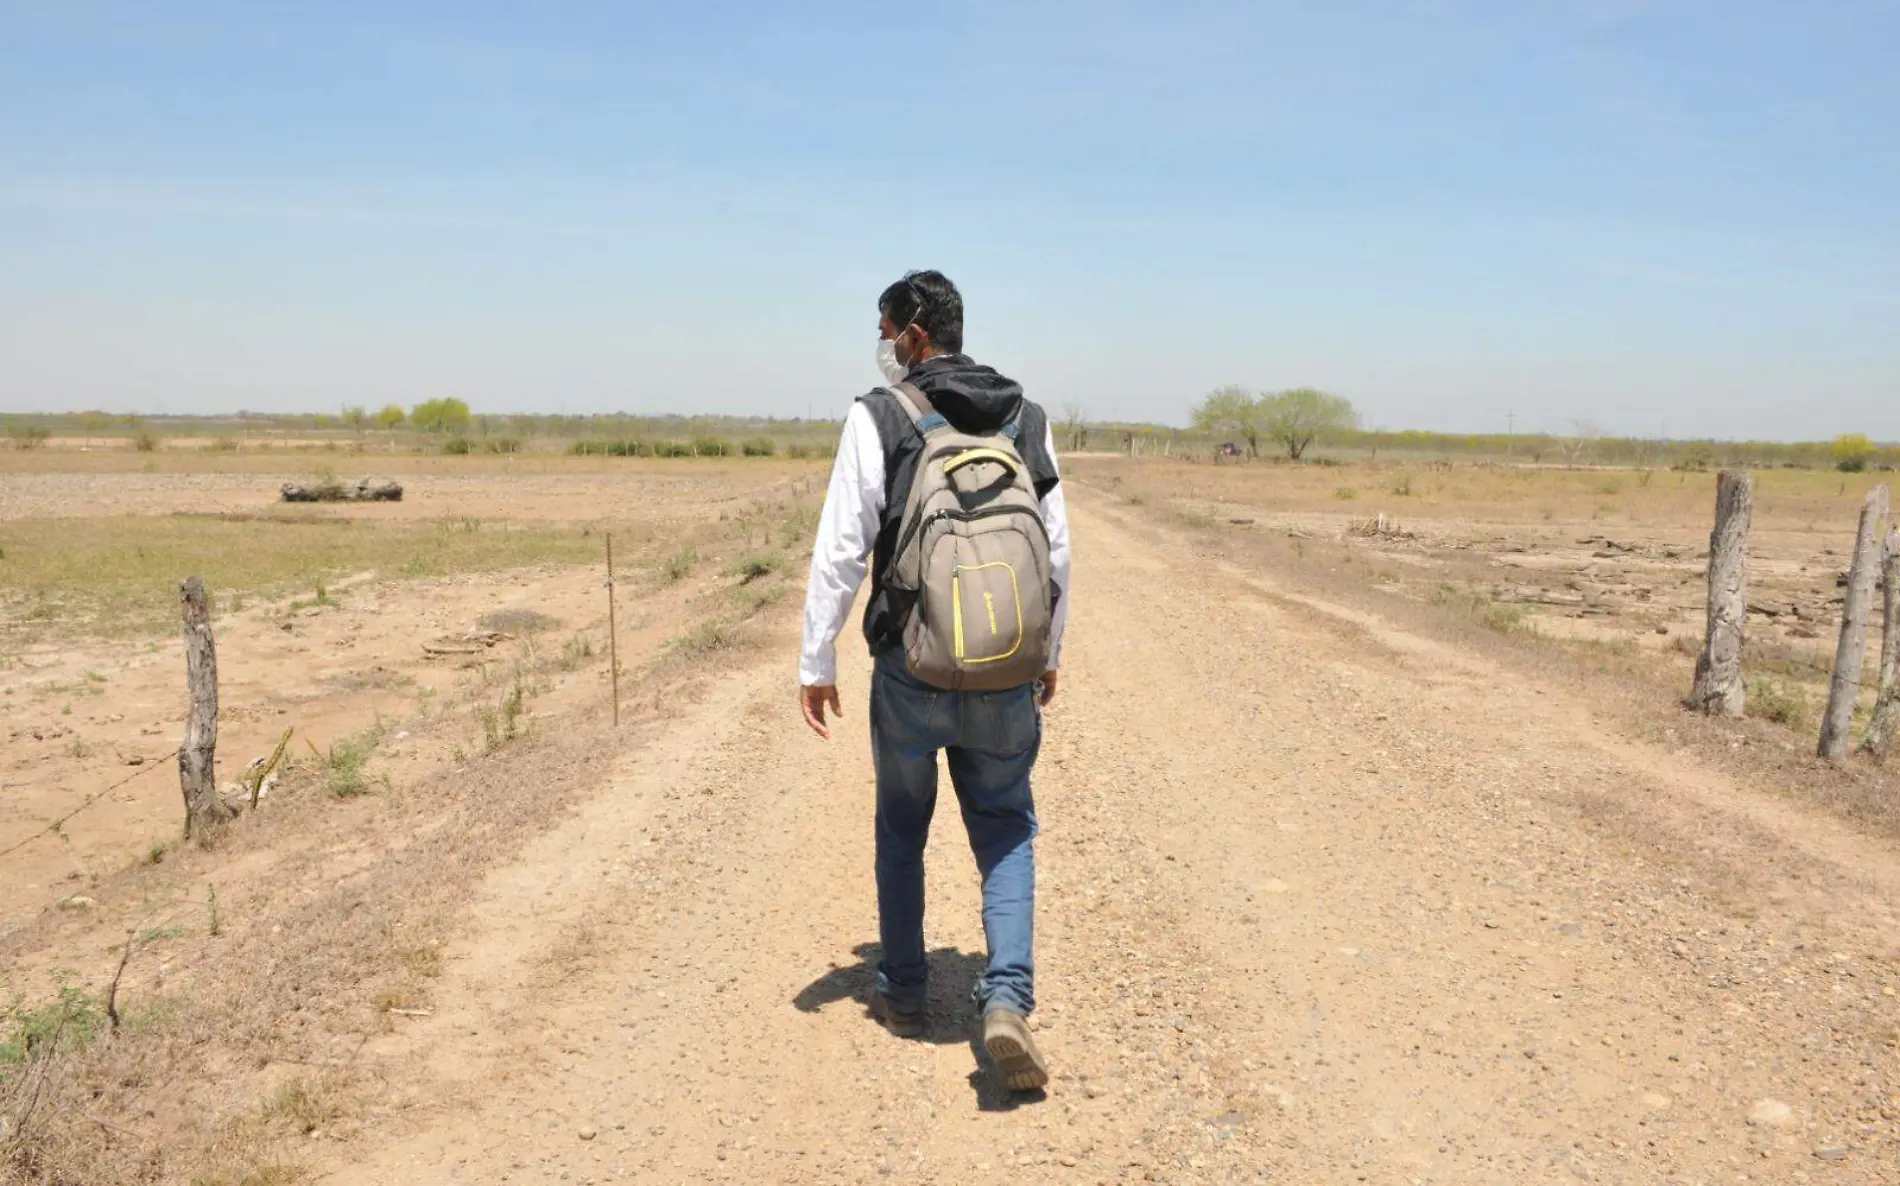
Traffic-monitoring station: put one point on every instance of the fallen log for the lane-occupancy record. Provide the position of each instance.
(361, 490)
(473, 642)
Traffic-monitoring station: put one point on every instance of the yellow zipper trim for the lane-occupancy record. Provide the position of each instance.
(956, 612)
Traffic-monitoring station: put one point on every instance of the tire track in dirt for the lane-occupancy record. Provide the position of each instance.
(1309, 911)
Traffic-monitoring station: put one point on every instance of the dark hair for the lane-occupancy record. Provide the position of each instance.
(929, 300)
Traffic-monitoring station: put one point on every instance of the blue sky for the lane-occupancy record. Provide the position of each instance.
(1660, 217)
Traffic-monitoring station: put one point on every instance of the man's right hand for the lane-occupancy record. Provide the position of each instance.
(813, 699)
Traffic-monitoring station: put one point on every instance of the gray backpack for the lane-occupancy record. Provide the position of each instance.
(973, 551)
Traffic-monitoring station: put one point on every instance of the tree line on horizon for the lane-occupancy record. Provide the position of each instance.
(1289, 423)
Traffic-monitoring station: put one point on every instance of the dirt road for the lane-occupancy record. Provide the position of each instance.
(1321, 901)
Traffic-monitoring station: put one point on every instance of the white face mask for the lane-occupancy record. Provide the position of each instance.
(893, 370)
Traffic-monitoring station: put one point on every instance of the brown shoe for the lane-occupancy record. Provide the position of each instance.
(1006, 1037)
(903, 1023)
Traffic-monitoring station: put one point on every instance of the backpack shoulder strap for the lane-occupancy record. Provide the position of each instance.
(1014, 428)
(918, 407)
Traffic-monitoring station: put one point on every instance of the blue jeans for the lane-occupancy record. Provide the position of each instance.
(992, 739)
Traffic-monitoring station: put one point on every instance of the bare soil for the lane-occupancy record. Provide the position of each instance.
(1335, 887)
(1323, 899)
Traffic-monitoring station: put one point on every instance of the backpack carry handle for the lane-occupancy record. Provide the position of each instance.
(968, 456)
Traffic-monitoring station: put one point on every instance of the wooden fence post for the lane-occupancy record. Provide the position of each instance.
(197, 757)
(1879, 737)
(1719, 687)
(613, 631)
(1844, 695)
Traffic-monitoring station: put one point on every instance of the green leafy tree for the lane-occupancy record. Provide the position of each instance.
(1231, 409)
(1298, 417)
(355, 418)
(391, 417)
(441, 415)
(1851, 452)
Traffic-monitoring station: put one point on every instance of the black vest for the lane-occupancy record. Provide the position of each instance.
(884, 617)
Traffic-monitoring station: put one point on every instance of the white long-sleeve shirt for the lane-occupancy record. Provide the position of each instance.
(854, 506)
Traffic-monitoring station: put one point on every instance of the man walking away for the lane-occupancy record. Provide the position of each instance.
(947, 479)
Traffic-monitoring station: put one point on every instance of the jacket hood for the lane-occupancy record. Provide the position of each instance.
(972, 398)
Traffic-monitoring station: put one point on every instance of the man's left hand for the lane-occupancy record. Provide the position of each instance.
(812, 699)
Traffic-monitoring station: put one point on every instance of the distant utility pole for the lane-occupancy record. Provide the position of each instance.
(1510, 431)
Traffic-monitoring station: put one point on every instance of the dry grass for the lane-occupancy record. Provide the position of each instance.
(295, 463)
(253, 1039)
(302, 971)
(679, 565)
(1780, 701)
(1443, 594)
(1784, 499)
(119, 577)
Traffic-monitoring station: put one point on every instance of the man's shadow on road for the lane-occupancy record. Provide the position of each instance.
(950, 1012)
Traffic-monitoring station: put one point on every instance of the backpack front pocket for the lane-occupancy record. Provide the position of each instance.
(986, 608)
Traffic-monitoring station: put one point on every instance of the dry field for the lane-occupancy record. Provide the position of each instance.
(1366, 857)
(1611, 560)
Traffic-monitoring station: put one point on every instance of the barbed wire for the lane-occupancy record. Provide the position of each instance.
(59, 823)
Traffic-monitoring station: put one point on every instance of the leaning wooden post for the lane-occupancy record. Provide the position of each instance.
(1718, 673)
(1844, 695)
(1887, 700)
(1879, 737)
(197, 757)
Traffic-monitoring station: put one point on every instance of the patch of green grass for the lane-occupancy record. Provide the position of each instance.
(346, 764)
(68, 1022)
(1502, 616)
(753, 598)
(1345, 494)
(118, 577)
(798, 526)
(576, 651)
(756, 566)
(506, 722)
(1780, 701)
(709, 637)
(1506, 618)
(679, 565)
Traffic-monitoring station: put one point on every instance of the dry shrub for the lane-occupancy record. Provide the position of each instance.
(709, 637)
